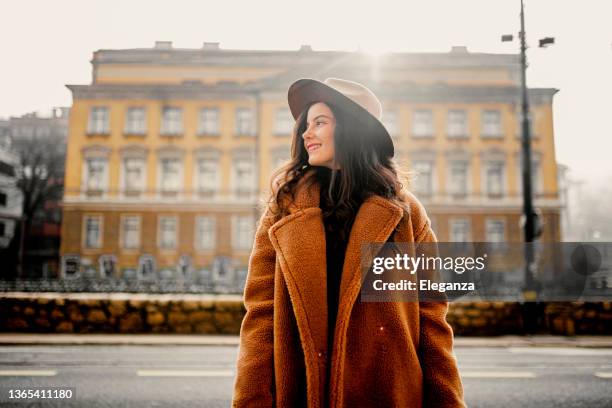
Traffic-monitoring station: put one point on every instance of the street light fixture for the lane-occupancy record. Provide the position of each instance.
(546, 41)
(532, 223)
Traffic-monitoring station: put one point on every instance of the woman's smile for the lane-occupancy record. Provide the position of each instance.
(313, 146)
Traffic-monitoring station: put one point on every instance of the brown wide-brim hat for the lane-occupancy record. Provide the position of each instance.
(352, 97)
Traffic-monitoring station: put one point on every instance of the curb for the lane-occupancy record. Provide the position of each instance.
(233, 340)
(118, 339)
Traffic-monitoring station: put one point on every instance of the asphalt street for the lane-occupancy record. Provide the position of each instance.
(202, 376)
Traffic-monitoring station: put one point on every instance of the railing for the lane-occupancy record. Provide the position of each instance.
(99, 285)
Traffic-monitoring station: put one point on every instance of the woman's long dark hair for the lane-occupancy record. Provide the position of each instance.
(362, 173)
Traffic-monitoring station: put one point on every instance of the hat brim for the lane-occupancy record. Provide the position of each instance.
(304, 92)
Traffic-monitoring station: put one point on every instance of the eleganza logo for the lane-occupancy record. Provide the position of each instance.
(483, 271)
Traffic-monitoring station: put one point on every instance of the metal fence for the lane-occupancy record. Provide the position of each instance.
(233, 284)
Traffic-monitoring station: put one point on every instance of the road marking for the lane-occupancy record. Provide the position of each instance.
(603, 375)
(561, 351)
(185, 373)
(28, 373)
(487, 367)
(498, 374)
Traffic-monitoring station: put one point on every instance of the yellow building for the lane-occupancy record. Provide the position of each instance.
(169, 150)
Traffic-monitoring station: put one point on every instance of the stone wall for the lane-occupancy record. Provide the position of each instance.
(559, 318)
(485, 318)
(222, 314)
(579, 318)
(120, 313)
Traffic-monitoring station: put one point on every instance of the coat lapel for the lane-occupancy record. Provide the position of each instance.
(374, 223)
(299, 241)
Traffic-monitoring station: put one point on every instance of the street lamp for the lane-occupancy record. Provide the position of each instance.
(532, 223)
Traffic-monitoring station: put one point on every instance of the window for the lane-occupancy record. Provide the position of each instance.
(98, 121)
(422, 125)
(130, 232)
(146, 267)
(133, 175)
(494, 178)
(108, 266)
(283, 121)
(7, 169)
(279, 156)
(519, 125)
(93, 231)
(172, 121)
(184, 268)
(245, 121)
(244, 172)
(3, 199)
(242, 232)
(460, 230)
(96, 174)
(2, 229)
(458, 180)
(495, 230)
(209, 121)
(168, 232)
(135, 121)
(221, 269)
(536, 175)
(207, 172)
(170, 175)
(205, 233)
(491, 123)
(391, 122)
(457, 123)
(71, 265)
(424, 177)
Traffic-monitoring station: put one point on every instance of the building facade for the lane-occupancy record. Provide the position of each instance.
(39, 141)
(10, 195)
(170, 150)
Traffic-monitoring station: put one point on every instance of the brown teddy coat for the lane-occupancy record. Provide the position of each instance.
(387, 354)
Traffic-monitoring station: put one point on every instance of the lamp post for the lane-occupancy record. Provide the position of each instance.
(530, 219)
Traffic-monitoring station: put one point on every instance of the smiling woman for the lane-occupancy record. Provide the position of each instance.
(306, 340)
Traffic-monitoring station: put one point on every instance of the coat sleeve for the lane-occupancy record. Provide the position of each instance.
(441, 380)
(254, 384)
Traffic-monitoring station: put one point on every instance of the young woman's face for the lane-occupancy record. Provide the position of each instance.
(319, 136)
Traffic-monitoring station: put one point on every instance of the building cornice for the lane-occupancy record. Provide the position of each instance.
(162, 92)
(403, 92)
(295, 58)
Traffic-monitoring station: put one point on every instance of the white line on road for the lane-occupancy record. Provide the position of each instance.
(561, 351)
(497, 374)
(28, 373)
(603, 375)
(487, 367)
(185, 373)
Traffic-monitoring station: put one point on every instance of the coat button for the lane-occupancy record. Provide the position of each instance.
(381, 328)
(320, 354)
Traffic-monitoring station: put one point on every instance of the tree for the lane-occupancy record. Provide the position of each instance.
(40, 179)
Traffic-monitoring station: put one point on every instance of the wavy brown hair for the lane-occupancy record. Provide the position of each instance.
(363, 172)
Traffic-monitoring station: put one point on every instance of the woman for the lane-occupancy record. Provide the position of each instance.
(306, 339)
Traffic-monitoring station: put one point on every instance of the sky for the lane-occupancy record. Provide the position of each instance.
(47, 44)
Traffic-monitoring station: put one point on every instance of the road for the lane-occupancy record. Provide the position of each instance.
(202, 376)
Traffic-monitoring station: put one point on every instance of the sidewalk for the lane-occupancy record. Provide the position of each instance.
(228, 340)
